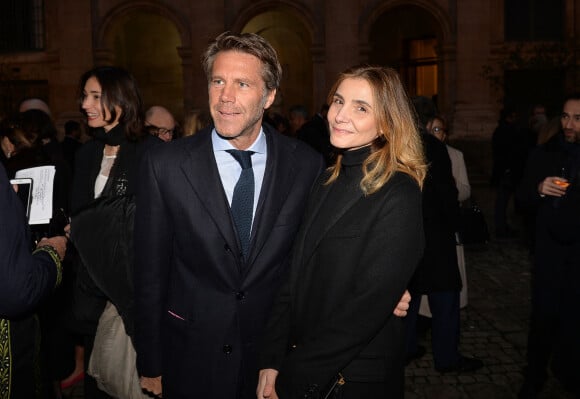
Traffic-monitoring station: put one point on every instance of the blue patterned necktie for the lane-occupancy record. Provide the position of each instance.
(243, 198)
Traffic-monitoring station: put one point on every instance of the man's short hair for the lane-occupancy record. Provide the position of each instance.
(571, 96)
(249, 43)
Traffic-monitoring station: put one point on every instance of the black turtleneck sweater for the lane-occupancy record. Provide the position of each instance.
(353, 258)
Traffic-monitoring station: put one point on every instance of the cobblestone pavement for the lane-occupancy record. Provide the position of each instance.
(493, 326)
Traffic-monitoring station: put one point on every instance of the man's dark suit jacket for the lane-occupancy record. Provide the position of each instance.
(200, 310)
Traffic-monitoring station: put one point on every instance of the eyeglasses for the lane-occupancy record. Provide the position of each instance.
(438, 130)
(159, 131)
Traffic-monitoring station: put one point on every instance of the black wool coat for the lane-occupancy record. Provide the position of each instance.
(352, 260)
(438, 270)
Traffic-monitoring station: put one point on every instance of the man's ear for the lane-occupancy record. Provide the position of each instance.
(270, 98)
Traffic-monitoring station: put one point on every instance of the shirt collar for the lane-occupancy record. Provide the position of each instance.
(221, 144)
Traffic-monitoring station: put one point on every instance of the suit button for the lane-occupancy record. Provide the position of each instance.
(227, 248)
(240, 295)
(227, 349)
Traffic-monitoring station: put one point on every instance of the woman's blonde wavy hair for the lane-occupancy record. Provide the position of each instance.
(398, 147)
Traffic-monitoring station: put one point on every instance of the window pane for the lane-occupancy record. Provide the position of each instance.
(533, 20)
(21, 25)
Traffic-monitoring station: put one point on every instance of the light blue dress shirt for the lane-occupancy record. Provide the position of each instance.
(230, 169)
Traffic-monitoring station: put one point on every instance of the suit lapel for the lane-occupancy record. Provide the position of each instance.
(278, 180)
(200, 170)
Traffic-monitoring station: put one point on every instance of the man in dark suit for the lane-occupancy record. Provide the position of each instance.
(204, 285)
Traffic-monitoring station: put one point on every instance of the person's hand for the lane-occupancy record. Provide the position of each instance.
(57, 242)
(67, 231)
(267, 384)
(403, 305)
(152, 384)
(554, 186)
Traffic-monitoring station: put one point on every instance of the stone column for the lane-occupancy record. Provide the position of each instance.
(342, 46)
(185, 54)
(319, 89)
(475, 107)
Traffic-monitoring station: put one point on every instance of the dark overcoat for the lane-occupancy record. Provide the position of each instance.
(438, 270)
(351, 264)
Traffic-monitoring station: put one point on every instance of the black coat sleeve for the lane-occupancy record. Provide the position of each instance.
(390, 251)
(25, 278)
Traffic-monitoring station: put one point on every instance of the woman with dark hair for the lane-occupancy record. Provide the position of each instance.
(103, 186)
(332, 327)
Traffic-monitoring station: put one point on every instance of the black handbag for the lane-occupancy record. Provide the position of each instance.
(472, 229)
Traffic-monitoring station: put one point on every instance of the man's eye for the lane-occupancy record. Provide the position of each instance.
(244, 84)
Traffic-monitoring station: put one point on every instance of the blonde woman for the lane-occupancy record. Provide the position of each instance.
(358, 246)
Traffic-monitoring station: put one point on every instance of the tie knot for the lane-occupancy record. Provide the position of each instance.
(244, 158)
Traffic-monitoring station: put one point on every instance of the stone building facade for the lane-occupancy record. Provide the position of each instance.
(469, 55)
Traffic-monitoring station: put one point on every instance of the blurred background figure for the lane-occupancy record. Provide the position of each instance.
(194, 121)
(509, 153)
(438, 127)
(160, 123)
(278, 121)
(549, 130)
(438, 274)
(34, 103)
(315, 133)
(297, 116)
(71, 141)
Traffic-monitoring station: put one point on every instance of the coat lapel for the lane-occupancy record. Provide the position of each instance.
(200, 170)
(278, 181)
(317, 231)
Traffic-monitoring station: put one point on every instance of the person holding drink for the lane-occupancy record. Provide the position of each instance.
(551, 187)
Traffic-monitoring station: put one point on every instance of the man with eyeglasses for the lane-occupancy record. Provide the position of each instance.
(160, 123)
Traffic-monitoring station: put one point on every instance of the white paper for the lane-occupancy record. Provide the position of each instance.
(42, 188)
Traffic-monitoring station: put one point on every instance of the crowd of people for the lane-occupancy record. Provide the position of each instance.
(243, 254)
